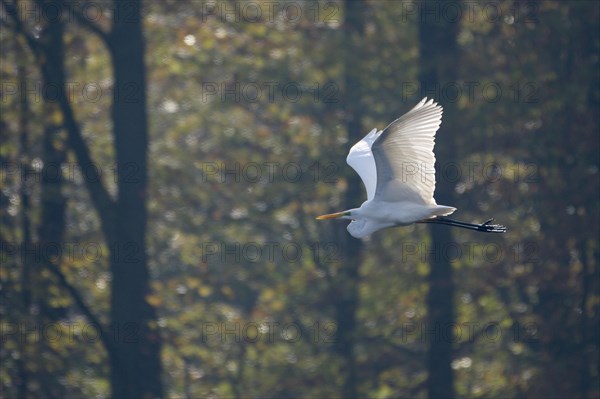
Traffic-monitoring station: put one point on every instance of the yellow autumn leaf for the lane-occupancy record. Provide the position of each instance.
(153, 300)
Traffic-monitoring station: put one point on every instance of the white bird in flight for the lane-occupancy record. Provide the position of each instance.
(396, 165)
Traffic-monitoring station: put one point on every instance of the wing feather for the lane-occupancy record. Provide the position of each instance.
(404, 158)
(360, 158)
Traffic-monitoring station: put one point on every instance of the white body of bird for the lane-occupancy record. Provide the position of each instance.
(396, 166)
(377, 215)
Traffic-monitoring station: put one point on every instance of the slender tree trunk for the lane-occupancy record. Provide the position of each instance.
(347, 278)
(25, 283)
(437, 54)
(53, 204)
(136, 367)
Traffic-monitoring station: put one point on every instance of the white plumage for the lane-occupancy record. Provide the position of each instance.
(396, 165)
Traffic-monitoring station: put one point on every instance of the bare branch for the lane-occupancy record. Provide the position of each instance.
(32, 42)
(98, 193)
(87, 23)
(62, 279)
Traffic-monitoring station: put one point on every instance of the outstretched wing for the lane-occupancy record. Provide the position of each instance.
(360, 158)
(404, 158)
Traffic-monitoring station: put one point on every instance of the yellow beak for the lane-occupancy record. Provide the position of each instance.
(331, 216)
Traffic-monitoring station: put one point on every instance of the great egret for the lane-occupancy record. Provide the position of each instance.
(396, 166)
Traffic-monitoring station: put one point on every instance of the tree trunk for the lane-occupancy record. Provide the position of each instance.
(437, 59)
(136, 367)
(347, 278)
(24, 160)
(53, 204)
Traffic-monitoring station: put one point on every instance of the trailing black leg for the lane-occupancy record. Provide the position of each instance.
(485, 227)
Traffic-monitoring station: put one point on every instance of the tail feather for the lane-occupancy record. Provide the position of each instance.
(442, 210)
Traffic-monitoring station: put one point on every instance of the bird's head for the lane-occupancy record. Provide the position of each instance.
(359, 226)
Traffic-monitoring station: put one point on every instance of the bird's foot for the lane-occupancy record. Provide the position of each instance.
(491, 228)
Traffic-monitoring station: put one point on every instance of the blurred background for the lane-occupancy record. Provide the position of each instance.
(163, 163)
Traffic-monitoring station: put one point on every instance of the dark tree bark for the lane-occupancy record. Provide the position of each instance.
(438, 52)
(53, 204)
(136, 366)
(347, 277)
(24, 116)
